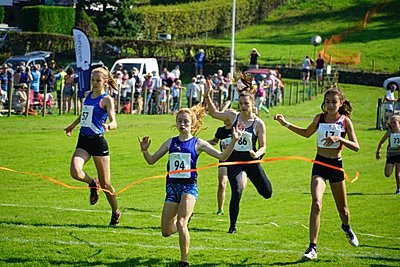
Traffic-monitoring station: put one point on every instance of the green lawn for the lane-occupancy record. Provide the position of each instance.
(285, 34)
(44, 224)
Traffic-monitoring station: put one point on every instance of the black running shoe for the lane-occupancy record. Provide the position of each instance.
(94, 195)
(232, 230)
(115, 218)
(183, 264)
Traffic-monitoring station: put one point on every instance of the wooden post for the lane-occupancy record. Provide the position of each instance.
(168, 94)
(132, 98)
(316, 88)
(76, 99)
(190, 98)
(304, 89)
(283, 96)
(28, 90)
(10, 93)
(297, 92)
(118, 97)
(60, 107)
(44, 100)
(290, 94)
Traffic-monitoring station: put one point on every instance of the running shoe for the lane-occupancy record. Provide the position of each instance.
(310, 254)
(397, 192)
(220, 212)
(232, 230)
(351, 236)
(115, 218)
(183, 264)
(94, 195)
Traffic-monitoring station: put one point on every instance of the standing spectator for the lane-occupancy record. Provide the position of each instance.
(137, 94)
(69, 90)
(389, 102)
(4, 85)
(199, 58)
(148, 87)
(98, 106)
(332, 126)
(35, 86)
(319, 69)
(392, 151)
(181, 188)
(254, 55)
(175, 94)
(191, 93)
(60, 81)
(155, 99)
(307, 62)
(177, 73)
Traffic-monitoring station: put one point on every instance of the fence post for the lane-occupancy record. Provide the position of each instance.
(44, 100)
(132, 98)
(60, 101)
(304, 89)
(168, 93)
(118, 97)
(283, 96)
(297, 92)
(10, 93)
(28, 99)
(290, 94)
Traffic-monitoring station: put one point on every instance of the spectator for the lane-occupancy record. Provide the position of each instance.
(60, 85)
(307, 62)
(319, 69)
(254, 55)
(4, 84)
(191, 92)
(21, 98)
(35, 86)
(137, 95)
(148, 87)
(176, 71)
(199, 62)
(175, 94)
(69, 89)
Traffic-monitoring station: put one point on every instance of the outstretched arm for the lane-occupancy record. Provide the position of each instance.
(144, 146)
(212, 109)
(305, 132)
(206, 147)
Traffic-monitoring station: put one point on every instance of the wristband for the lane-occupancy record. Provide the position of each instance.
(287, 125)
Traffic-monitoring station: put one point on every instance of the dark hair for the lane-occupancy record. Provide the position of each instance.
(346, 107)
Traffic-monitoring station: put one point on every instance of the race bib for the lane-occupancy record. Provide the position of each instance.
(179, 161)
(225, 142)
(86, 117)
(394, 140)
(244, 143)
(325, 130)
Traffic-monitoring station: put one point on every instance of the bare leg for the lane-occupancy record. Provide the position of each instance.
(185, 210)
(79, 158)
(339, 194)
(104, 175)
(318, 186)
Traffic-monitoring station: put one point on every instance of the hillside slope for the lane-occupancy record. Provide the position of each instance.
(368, 34)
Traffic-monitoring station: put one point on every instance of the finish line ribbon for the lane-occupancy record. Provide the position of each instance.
(346, 176)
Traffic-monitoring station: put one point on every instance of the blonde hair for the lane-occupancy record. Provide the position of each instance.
(196, 115)
(395, 118)
(106, 74)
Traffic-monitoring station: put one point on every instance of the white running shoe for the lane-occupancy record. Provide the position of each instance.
(310, 254)
(397, 192)
(351, 236)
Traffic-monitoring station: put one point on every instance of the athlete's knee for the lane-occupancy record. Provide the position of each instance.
(181, 225)
(316, 206)
(166, 232)
(388, 174)
(76, 173)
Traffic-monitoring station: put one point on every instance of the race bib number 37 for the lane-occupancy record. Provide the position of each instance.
(179, 161)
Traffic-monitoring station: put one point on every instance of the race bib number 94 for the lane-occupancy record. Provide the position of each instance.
(86, 117)
(179, 161)
(324, 131)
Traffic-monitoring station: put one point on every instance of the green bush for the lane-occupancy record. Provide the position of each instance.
(200, 18)
(171, 2)
(50, 19)
(85, 23)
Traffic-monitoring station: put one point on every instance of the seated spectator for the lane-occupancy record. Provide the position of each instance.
(21, 98)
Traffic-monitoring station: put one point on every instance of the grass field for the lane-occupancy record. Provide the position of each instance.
(44, 224)
(287, 31)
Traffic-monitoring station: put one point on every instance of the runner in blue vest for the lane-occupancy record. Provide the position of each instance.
(181, 187)
(98, 106)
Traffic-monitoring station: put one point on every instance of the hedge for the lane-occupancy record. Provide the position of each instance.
(200, 18)
(50, 19)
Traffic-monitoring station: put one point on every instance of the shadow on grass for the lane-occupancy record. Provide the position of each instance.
(299, 261)
(370, 246)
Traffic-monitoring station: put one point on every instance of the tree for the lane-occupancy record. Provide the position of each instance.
(112, 17)
(85, 23)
